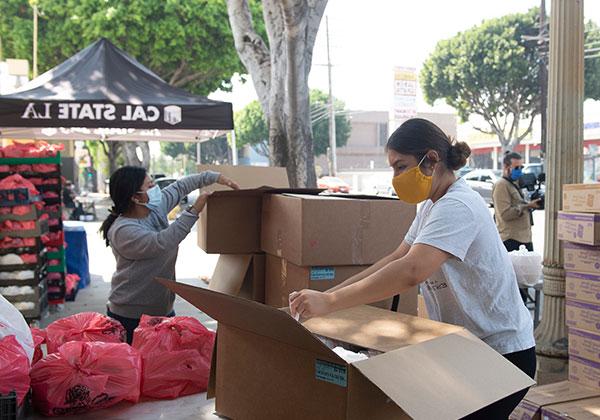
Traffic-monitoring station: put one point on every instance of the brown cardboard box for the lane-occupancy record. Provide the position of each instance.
(583, 315)
(240, 275)
(237, 214)
(283, 277)
(582, 228)
(230, 222)
(587, 409)
(583, 287)
(268, 366)
(581, 197)
(325, 231)
(582, 258)
(538, 397)
(584, 344)
(584, 372)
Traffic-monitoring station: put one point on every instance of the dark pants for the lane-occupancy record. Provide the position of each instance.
(524, 360)
(130, 324)
(512, 245)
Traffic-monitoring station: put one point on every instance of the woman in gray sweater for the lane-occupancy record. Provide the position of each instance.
(143, 242)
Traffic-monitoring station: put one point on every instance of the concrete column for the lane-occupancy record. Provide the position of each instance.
(564, 165)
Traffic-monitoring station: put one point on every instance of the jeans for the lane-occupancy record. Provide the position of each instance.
(130, 324)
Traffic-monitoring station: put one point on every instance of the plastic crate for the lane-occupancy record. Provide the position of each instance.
(34, 214)
(9, 410)
(39, 274)
(41, 227)
(17, 197)
(31, 160)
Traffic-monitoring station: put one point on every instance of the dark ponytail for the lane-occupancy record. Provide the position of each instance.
(124, 183)
(417, 136)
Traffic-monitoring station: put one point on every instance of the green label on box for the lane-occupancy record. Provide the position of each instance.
(322, 273)
(331, 372)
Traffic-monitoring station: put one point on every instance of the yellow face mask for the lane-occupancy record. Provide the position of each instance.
(412, 186)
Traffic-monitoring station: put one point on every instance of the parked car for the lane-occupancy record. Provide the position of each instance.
(482, 181)
(166, 181)
(463, 171)
(534, 168)
(333, 184)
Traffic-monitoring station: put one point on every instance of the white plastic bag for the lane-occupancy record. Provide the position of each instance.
(13, 323)
(527, 265)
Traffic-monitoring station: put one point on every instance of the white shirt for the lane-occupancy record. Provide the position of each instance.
(476, 287)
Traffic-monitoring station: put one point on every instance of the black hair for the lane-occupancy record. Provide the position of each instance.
(509, 156)
(417, 136)
(124, 183)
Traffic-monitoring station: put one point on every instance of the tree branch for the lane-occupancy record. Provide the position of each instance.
(173, 80)
(190, 78)
(529, 128)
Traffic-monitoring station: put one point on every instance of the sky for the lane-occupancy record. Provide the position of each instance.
(369, 38)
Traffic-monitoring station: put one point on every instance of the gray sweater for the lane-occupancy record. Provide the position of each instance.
(147, 248)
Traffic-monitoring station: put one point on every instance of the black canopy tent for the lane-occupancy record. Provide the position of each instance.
(103, 93)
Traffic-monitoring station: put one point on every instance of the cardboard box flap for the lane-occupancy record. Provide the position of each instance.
(377, 329)
(266, 190)
(449, 377)
(248, 176)
(559, 392)
(230, 273)
(252, 317)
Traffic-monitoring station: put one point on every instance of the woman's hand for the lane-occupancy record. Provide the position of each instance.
(223, 180)
(310, 303)
(201, 202)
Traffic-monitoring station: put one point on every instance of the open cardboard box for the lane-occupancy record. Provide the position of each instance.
(266, 365)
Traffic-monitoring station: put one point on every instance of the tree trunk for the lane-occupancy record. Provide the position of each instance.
(280, 77)
(131, 157)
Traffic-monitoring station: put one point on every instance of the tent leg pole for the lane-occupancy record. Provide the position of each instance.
(234, 156)
(198, 153)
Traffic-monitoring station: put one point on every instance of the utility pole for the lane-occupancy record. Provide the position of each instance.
(332, 145)
(543, 75)
(35, 39)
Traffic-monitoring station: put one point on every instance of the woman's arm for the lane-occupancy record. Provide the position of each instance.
(135, 242)
(174, 193)
(400, 252)
(416, 266)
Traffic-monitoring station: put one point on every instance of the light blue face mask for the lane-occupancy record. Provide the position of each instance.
(154, 197)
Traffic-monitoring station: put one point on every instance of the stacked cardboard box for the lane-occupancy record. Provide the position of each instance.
(579, 228)
(276, 241)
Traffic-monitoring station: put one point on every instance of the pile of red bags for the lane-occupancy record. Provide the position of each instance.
(27, 150)
(9, 243)
(176, 354)
(84, 376)
(85, 326)
(14, 368)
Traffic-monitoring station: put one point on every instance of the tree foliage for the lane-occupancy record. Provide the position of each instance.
(186, 42)
(252, 128)
(491, 70)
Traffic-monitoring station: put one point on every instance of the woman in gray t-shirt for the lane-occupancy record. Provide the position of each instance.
(453, 250)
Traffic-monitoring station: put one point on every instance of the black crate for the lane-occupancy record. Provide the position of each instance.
(9, 410)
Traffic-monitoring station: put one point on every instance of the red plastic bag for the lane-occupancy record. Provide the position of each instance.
(177, 354)
(85, 326)
(14, 368)
(82, 377)
(39, 338)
